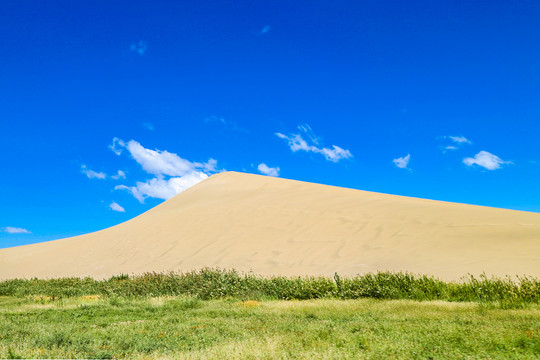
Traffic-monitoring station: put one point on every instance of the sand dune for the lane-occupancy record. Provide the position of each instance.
(276, 226)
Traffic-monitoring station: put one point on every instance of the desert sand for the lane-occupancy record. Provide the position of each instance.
(273, 226)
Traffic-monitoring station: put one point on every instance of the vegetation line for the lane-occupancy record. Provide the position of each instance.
(217, 283)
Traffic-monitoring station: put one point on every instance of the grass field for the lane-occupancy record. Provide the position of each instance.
(181, 327)
(220, 314)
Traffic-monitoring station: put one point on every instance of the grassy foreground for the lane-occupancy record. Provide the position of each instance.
(220, 314)
(190, 328)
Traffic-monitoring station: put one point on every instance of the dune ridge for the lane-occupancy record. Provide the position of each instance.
(273, 226)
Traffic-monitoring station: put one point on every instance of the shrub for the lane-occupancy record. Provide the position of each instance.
(210, 283)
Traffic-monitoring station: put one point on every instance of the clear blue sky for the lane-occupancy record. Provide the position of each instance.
(428, 99)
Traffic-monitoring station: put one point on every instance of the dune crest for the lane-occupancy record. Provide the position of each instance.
(275, 226)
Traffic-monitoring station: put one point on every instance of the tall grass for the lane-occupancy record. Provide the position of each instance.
(216, 283)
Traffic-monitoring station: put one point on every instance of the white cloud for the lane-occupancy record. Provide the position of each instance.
(15, 230)
(457, 142)
(92, 174)
(306, 129)
(460, 139)
(117, 146)
(119, 175)
(158, 162)
(173, 174)
(335, 154)
(402, 162)
(210, 165)
(115, 207)
(265, 29)
(161, 188)
(266, 170)
(139, 47)
(297, 142)
(486, 160)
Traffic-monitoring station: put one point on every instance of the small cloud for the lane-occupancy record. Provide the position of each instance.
(460, 139)
(139, 47)
(265, 30)
(117, 146)
(210, 165)
(486, 160)
(15, 230)
(92, 174)
(306, 129)
(266, 170)
(335, 154)
(457, 142)
(297, 142)
(119, 175)
(402, 162)
(115, 207)
(148, 126)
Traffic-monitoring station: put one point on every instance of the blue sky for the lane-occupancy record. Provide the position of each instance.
(107, 108)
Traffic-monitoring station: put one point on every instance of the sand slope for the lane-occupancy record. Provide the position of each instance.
(277, 226)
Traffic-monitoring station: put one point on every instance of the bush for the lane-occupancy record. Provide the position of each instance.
(209, 283)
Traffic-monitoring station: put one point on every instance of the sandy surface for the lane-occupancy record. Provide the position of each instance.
(276, 226)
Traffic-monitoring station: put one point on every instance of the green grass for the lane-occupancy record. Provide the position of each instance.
(215, 284)
(190, 328)
(220, 314)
